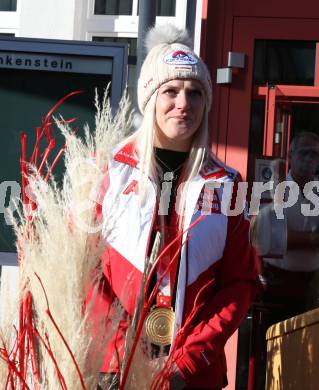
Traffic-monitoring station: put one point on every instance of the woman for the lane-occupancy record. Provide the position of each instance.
(161, 179)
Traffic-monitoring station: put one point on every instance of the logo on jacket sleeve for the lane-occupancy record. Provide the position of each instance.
(132, 187)
(208, 202)
(180, 58)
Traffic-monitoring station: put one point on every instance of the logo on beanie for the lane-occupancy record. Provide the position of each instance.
(180, 58)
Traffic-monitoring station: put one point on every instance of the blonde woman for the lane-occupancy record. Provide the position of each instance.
(161, 179)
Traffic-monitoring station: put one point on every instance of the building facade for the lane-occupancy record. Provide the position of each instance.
(90, 20)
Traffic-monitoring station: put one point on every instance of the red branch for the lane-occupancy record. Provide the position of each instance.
(40, 132)
(12, 367)
(25, 342)
(46, 153)
(49, 350)
(31, 342)
(57, 158)
(61, 101)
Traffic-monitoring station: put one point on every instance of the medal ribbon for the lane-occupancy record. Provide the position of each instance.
(171, 232)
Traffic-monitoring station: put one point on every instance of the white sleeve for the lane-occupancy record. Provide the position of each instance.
(271, 233)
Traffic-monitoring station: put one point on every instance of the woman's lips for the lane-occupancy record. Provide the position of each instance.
(181, 118)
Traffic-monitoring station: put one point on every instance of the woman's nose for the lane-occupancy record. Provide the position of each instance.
(182, 100)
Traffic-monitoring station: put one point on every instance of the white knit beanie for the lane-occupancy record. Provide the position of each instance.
(170, 57)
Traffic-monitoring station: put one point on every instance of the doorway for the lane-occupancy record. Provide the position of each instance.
(284, 103)
(274, 98)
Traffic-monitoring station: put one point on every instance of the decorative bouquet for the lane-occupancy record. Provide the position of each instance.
(59, 244)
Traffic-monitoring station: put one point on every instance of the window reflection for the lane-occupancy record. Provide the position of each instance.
(286, 235)
(286, 230)
(284, 62)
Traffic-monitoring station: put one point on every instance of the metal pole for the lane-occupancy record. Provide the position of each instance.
(146, 20)
(191, 18)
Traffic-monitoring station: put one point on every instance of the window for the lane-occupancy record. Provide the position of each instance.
(125, 7)
(165, 7)
(113, 7)
(284, 62)
(8, 5)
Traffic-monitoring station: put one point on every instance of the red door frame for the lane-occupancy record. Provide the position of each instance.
(282, 93)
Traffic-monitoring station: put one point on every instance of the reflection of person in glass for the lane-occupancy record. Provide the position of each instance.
(266, 174)
(211, 283)
(290, 247)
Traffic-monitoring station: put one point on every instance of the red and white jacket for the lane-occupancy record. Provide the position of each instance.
(217, 255)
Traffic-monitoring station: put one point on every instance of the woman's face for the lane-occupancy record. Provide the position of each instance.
(179, 109)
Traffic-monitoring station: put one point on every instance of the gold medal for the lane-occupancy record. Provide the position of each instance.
(159, 326)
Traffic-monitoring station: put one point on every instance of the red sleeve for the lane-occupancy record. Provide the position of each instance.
(222, 315)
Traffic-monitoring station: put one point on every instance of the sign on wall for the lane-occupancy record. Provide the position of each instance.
(34, 76)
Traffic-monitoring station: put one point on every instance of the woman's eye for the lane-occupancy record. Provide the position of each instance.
(170, 92)
(195, 93)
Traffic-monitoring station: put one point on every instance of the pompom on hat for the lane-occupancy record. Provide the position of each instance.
(170, 57)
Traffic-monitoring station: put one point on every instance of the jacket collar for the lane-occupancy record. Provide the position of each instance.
(212, 170)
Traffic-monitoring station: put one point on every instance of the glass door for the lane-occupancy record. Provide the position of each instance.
(284, 103)
(285, 98)
(279, 115)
